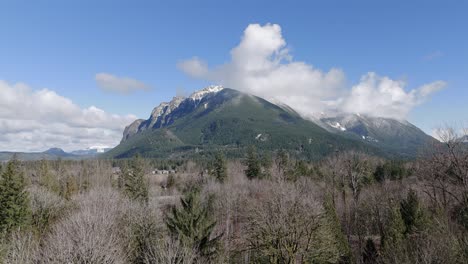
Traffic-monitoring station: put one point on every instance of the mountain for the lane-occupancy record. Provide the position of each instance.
(50, 154)
(398, 136)
(221, 118)
(55, 153)
(58, 152)
(218, 118)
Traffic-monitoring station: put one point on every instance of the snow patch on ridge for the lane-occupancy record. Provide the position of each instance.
(197, 96)
(337, 125)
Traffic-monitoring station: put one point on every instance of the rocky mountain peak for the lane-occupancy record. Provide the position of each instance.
(198, 95)
(163, 114)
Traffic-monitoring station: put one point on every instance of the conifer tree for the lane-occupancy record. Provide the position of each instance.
(393, 238)
(412, 213)
(69, 187)
(192, 225)
(342, 245)
(220, 170)
(253, 164)
(46, 178)
(14, 200)
(134, 183)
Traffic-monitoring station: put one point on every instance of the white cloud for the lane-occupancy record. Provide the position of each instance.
(262, 65)
(35, 120)
(124, 85)
(382, 96)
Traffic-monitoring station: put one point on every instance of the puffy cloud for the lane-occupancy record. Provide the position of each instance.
(36, 120)
(261, 64)
(123, 85)
(382, 96)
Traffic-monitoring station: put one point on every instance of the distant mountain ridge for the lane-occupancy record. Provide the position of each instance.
(217, 118)
(54, 153)
(392, 134)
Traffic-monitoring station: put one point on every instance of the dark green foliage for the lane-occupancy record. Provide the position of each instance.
(391, 170)
(370, 254)
(192, 225)
(412, 213)
(393, 237)
(219, 167)
(69, 187)
(145, 233)
(339, 238)
(134, 182)
(253, 170)
(460, 214)
(301, 168)
(46, 178)
(267, 160)
(14, 200)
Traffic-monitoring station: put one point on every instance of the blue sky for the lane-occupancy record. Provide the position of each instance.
(62, 45)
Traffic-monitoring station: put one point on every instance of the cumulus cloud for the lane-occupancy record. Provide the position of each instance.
(261, 64)
(382, 96)
(123, 85)
(35, 120)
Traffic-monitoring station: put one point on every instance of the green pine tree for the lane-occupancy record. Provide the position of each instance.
(46, 178)
(339, 238)
(14, 200)
(253, 164)
(192, 225)
(393, 240)
(220, 170)
(412, 213)
(133, 181)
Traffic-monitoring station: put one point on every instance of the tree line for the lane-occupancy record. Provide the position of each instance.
(267, 207)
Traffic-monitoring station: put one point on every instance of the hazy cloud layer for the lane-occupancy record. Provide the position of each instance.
(34, 120)
(262, 65)
(123, 85)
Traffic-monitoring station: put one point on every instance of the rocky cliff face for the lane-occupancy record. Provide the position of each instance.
(132, 129)
(165, 113)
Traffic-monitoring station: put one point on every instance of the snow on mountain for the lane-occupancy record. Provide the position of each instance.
(162, 115)
(337, 125)
(166, 108)
(198, 95)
